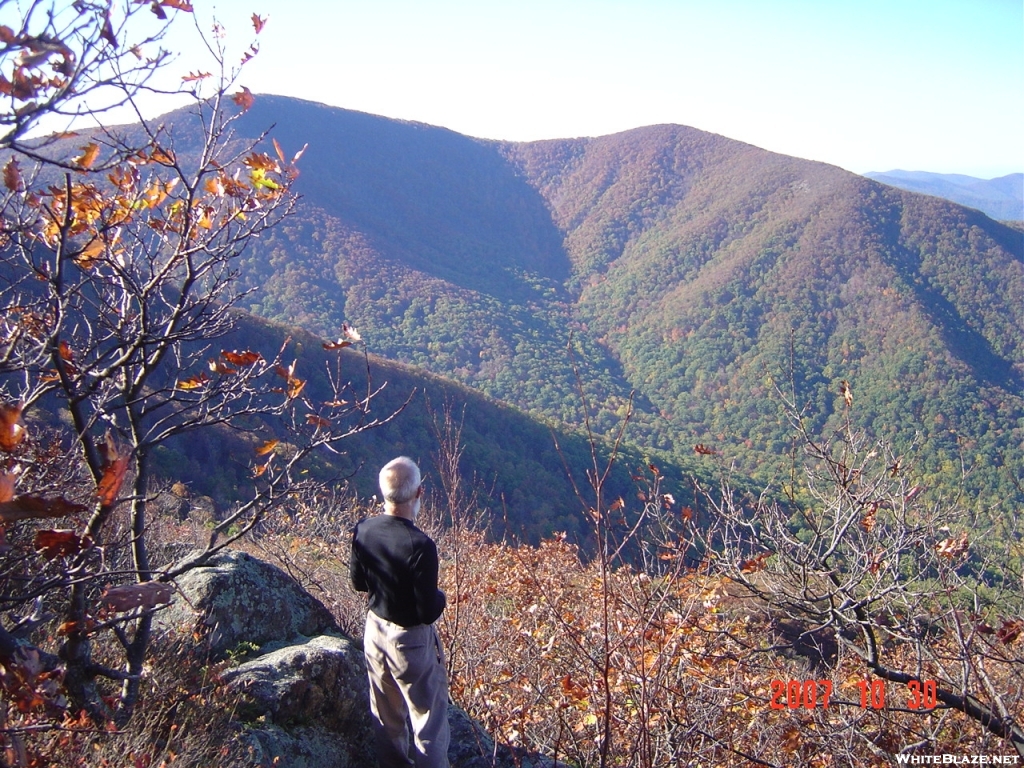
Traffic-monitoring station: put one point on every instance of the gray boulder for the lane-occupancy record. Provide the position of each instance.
(238, 602)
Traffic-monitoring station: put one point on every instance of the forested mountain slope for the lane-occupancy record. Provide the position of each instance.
(708, 266)
(696, 270)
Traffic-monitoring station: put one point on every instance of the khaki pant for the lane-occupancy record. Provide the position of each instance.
(408, 683)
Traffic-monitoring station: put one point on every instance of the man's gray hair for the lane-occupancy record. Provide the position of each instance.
(399, 480)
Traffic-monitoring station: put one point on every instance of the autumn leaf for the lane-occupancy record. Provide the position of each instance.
(317, 421)
(346, 329)
(215, 186)
(846, 392)
(267, 447)
(148, 594)
(193, 76)
(867, 521)
(193, 382)
(162, 156)
(756, 563)
(244, 99)
(37, 507)
(295, 387)
(224, 370)
(330, 346)
(1010, 631)
(114, 468)
(951, 548)
(179, 5)
(702, 450)
(258, 23)
(60, 543)
(11, 431)
(8, 481)
(12, 176)
(90, 152)
(241, 358)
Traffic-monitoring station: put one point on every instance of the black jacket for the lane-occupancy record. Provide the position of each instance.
(396, 563)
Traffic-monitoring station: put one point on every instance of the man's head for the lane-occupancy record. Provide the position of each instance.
(401, 487)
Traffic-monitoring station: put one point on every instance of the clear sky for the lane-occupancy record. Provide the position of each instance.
(869, 85)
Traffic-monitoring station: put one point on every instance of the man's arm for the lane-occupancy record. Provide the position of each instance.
(430, 601)
(356, 571)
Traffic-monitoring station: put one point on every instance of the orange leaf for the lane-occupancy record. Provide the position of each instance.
(8, 480)
(224, 370)
(244, 99)
(180, 5)
(317, 421)
(702, 450)
(11, 431)
(214, 186)
(330, 346)
(258, 23)
(89, 154)
(295, 388)
(148, 594)
(193, 76)
(242, 358)
(61, 543)
(162, 156)
(267, 447)
(193, 382)
(113, 477)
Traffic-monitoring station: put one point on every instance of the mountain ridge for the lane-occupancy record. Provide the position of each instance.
(1001, 198)
(688, 273)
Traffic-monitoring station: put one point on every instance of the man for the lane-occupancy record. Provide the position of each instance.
(396, 563)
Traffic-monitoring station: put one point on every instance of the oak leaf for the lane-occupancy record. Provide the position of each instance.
(12, 176)
(11, 431)
(244, 99)
(90, 152)
(114, 468)
(148, 594)
(258, 22)
(241, 358)
(266, 447)
(60, 543)
(37, 507)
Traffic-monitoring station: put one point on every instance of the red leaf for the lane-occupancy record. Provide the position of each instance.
(258, 23)
(244, 99)
(11, 431)
(242, 358)
(29, 507)
(62, 543)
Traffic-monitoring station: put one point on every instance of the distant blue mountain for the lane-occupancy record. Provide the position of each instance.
(1001, 198)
